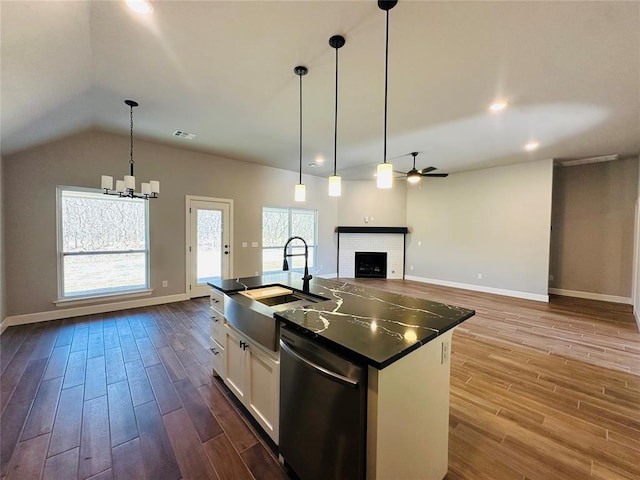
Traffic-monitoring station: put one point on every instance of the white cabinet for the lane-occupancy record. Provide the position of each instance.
(216, 310)
(408, 415)
(253, 375)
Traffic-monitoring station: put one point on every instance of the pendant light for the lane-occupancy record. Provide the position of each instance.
(300, 191)
(335, 182)
(385, 170)
(127, 187)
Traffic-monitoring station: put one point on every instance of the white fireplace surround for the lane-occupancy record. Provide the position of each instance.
(391, 243)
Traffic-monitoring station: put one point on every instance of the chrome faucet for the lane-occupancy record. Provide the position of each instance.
(285, 265)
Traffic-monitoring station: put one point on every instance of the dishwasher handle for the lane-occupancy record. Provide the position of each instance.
(327, 373)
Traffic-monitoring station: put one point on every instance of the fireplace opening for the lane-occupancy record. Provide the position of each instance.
(371, 265)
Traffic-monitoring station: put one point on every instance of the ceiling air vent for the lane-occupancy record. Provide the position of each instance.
(584, 161)
(181, 134)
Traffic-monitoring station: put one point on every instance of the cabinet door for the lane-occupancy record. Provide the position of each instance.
(263, 390)
(217, 324)
(235, 366)
(217, 358)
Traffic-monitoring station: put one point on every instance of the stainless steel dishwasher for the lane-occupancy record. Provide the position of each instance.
(323, 411)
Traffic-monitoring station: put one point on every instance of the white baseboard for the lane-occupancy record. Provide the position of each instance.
(3, 325)
(637, 315)
(88, 310)
(479, 288)
(590, 296)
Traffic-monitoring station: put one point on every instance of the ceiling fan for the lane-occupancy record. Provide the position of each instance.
(414, 176)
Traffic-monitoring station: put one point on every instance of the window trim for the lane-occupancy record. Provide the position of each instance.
(290, 211)
(87, 298)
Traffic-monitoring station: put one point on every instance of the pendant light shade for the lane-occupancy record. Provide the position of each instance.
(384, 175)
(385, 170)
(335, 186)
(335, 182)
(300, 193)
(300, 190)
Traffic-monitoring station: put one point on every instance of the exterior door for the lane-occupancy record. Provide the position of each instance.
(208, 243)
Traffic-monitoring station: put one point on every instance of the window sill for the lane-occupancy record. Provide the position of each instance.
(64, 302)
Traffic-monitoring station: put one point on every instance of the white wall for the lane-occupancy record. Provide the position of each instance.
(495, 222)
(30, 212)
(383, 208)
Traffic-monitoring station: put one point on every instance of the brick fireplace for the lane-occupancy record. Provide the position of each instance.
(371, 244)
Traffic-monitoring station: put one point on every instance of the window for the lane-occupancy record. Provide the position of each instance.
(278, 224)
(103, 245)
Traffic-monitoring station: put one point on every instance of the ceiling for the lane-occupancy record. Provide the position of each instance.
(224, 71)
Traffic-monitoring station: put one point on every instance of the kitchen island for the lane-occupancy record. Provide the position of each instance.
(403, 342)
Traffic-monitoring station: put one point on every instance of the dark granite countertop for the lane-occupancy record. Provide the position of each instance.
(367, 325)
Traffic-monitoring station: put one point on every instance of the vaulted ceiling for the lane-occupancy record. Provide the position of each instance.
(223, 70)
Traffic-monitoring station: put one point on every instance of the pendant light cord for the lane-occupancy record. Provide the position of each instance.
(386, 82)
(131, 138)
(335, 123)
(301, 129)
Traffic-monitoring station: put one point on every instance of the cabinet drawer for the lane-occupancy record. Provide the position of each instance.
(217, 324)
(217, 358)
(216, 300)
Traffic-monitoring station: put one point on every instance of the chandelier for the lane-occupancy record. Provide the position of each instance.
(127, 186)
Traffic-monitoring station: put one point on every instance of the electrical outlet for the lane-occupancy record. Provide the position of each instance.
(254, 244)
(551, 276)
(165, 284)
(446, 353)
(479, 276)
(411, 268)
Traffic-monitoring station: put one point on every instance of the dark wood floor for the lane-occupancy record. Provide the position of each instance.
(126, 395)
(538, 391)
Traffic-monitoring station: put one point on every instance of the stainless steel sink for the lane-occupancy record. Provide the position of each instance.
(254, 316)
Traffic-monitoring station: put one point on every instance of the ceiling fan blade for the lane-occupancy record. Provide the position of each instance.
(427, 170)
(441, 175)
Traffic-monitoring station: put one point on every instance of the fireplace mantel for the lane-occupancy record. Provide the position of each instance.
(401, 230)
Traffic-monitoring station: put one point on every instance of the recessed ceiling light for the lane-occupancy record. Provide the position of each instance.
(498, 106)
(320, 159)
(142, 7)
(531, 146)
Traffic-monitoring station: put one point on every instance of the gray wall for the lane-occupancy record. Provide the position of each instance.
(494, 221)
(30, 214)
(636, 296)
(593, 227)
(384, 208)
(3, 288)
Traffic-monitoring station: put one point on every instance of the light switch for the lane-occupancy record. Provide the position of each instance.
(245, 244)
(254, 244)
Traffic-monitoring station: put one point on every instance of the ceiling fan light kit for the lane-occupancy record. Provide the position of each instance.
(127, 186)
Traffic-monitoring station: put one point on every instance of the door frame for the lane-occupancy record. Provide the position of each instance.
(188, 200)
